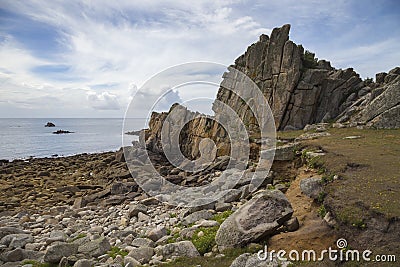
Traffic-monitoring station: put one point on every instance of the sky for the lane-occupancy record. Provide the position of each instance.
(88, 58)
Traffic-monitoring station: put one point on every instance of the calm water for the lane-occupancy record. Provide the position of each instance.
(22, 138)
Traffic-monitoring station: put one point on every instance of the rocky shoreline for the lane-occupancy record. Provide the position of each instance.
(83, 209)
(87, 210)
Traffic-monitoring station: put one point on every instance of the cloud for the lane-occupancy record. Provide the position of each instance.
(103, 101)
(126, 42)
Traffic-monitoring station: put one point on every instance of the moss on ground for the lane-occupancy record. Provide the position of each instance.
(221, 217)
(117, 251)
(205, 242)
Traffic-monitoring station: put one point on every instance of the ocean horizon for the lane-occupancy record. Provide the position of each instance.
(22, 138)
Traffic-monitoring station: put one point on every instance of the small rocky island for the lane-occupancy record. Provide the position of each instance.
(62, 132)
(50, 124)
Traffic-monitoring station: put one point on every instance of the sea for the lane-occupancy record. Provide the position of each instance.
(25, 138)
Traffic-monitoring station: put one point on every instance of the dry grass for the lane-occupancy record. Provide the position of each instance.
(370, 167)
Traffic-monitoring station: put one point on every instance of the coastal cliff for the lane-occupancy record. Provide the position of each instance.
(300, 90)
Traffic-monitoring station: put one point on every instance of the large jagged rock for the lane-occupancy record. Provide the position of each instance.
(257, 219)
(299, 92)
(190, 136)
(299, 89)
(57, 251)
(380, 107)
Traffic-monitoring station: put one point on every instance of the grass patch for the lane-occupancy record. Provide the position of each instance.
(322, 211)
(173, 238)
(371, 182)
(321, 197)
(352, 216)
(289, 135)
(79, 236)
(206, 242)
(316, 163)
(221, 217)
(117, 251)
(327, 178)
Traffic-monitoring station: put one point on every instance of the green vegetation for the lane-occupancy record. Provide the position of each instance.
(79, 236)
(117, 251)
(289, 135)
(327, 178)
(352, 216)
(322, 211)
(205, 242)
(368, 168)
(309, 60)
(368, 81)
(316, 163)
(321, 197)
(173, 238)
(221, 217)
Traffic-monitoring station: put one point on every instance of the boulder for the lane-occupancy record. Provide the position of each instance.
(95, 248)
(178, 249)
(119, 188)
(142, 254)
(252, 260)
(311, 187)
(57, 251)
(157, 233)
(197, 216)
(135, 209)
(285, 152)
(142, 242)
(230, 195)
(83, 263)
(299, 88)
(20, 254)
(16, 240)
(255, 220)
(10, 230)
(130, 262)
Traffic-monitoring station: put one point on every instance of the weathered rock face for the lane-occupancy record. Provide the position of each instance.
(299, 89)
(189, 134)
(257, 219)
(378, 107)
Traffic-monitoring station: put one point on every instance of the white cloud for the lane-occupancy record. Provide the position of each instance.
(126, 42)
(103, 101)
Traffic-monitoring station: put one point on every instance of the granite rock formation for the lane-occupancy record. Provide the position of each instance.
(378, 105)
(300, 90)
